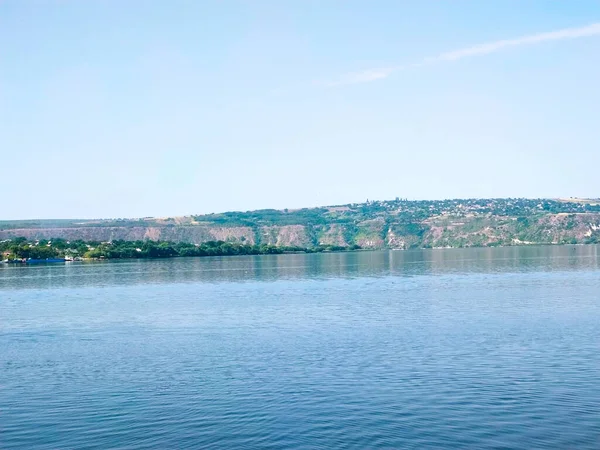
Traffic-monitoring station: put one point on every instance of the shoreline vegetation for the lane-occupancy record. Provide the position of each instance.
(20, 249)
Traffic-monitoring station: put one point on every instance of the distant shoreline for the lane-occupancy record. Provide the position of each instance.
(22, 250)
(396, 224)
(41, 252)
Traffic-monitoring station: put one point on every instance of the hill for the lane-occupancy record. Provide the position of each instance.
(398, 224)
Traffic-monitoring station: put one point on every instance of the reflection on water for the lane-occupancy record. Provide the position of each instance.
(474, 348)
(292, 266)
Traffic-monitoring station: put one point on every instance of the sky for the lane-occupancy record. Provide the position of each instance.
(115, 109)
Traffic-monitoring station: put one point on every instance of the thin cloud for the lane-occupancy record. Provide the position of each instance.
(476, 50)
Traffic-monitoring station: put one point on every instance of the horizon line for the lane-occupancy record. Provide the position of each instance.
(558, 199)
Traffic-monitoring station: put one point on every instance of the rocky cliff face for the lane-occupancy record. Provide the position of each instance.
(287, 235)
(193, 234)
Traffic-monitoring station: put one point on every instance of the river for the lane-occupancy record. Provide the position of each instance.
(465, 348)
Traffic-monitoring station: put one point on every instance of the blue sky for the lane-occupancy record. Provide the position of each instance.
(155, 108)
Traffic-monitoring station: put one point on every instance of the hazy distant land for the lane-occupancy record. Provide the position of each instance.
(394, 224)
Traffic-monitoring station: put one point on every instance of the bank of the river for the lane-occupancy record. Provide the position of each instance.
(22, 250)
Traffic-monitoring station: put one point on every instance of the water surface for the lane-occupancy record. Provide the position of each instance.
(475, 348)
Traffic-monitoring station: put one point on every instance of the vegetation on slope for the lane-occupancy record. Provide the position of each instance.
(395, 223)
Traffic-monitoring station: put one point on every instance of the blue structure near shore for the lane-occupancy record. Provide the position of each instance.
(36, 261)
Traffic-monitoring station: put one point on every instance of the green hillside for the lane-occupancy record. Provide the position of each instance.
(398, 223)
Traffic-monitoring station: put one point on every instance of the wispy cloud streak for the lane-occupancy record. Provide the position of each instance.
(476, 50)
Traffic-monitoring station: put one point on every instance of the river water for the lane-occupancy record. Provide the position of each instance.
(473, 348)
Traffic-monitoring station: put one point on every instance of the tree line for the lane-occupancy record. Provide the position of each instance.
(21, 248)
